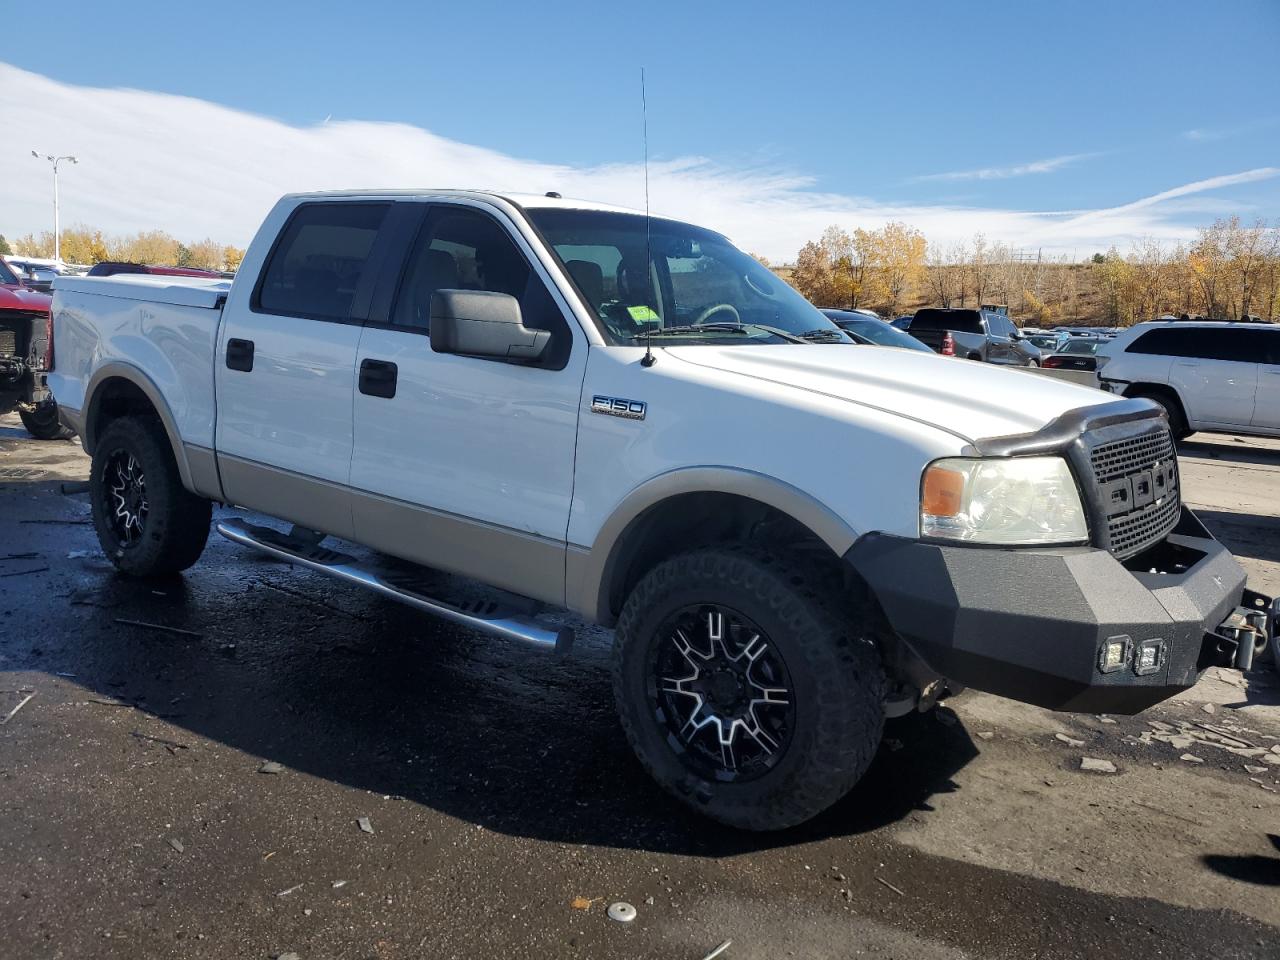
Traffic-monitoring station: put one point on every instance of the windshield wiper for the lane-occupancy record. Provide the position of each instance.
(726, 327)
(823, 335)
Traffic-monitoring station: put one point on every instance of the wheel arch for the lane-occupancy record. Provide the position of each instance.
(1145, 387)
(121, 389)
(688, 508)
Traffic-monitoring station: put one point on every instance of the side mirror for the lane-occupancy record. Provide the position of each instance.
(478, 323)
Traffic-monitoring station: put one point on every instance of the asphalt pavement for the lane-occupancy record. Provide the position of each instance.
(253, 761)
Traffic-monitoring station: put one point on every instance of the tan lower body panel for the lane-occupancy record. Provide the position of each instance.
(306, 501)
(529, 565)
(203, 466)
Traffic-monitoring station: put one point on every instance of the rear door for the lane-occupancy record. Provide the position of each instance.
(285, 371)
(1216, 373)
(465, 463)
(1266, 408)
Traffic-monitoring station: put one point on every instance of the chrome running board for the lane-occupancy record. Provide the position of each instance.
(486, 616)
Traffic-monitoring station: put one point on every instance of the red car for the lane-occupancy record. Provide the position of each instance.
(110, 268)
(25, 325)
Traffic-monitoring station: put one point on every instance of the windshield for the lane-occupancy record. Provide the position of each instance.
(698, 288)
(6, 273)
(877, 331)
(1081, 346)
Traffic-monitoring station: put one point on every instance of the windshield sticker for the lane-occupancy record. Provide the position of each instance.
(643, 314)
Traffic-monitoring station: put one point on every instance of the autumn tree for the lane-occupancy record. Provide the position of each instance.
(900, 262)
(5, 249)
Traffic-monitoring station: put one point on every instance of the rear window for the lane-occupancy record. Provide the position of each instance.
(964, 321)
(319, 260)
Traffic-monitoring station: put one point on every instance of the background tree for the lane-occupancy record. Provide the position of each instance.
(5, 249)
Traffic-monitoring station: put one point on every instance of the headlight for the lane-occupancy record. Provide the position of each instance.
(1023, 500)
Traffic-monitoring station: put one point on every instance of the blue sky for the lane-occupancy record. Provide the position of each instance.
(1001, 106)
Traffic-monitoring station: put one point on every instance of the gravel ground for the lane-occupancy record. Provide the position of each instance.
(507, 812)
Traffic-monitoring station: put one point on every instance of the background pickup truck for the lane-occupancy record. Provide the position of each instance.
(975, 335)
(582, 407)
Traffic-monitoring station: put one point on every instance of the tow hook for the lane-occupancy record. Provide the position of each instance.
(1248, 629)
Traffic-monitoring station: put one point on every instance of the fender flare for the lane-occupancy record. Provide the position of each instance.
(590, 572)
(126, 371)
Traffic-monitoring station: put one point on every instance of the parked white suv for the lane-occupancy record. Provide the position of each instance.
(1208, 375)
(632, 419)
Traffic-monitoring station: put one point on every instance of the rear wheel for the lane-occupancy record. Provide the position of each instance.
(1172, 408)
(147, 522)
(746, 687)
(42, 422)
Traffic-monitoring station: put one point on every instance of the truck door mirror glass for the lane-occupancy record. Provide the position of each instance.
(481, 323)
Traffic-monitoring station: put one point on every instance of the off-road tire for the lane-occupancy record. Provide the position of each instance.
(834, 667)
(42, 423)
(176, 526)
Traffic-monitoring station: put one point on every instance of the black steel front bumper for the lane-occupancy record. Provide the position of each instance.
(1033, 624)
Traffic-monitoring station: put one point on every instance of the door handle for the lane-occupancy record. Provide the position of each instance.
(378, 378)
(240, 355)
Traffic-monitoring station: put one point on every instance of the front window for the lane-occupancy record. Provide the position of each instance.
(692, 287)
(6, 274)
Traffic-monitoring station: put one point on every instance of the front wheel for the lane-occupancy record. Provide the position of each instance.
(148, 523)
(42, 422)
(746, 686)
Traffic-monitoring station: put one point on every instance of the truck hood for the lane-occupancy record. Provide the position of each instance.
(964, 397)
(20, 298)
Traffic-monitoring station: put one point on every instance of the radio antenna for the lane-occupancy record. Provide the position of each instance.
(648, 359)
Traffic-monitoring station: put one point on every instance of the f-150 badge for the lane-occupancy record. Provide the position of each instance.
(618, 407)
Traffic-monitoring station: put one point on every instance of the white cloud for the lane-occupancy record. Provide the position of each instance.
(1006, 173)
(1211, 135)
(197, 169)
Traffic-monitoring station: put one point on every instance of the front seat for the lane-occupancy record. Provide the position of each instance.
(439, 271)
(590, 280)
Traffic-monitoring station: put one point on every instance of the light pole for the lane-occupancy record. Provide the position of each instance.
(57, 243)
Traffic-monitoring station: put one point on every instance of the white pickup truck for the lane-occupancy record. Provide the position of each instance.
(582, 407)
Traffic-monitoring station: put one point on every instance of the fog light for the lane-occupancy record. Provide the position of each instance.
(1149, 658)
(1114, 654)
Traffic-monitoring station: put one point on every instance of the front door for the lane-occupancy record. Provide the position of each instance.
(463, 463)
(285, 372)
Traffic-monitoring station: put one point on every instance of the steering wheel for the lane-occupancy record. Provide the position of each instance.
(712, 310)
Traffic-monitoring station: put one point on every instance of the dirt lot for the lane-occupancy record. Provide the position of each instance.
(135, 820)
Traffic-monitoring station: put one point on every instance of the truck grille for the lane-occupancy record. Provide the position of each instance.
(8, 343)
(1138, 479)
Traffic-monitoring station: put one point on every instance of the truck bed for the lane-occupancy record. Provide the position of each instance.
(165, 327)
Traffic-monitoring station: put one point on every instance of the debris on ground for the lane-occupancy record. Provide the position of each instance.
(338, 883)
(1069, 741)
(170, 745)
(1094, 765)
(160, 627)
(1208, 708)
(21, 703)
(622, 911)
(365, 824)
(79, 554)
(287, 956)
(1250, 768)
(294, 889)
(883, 881)
(721, 948)
(270, 766)
(177, 844)
(649, 901)
(582, 903)
(985, 735)
(1191, 758)
(23, 573)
